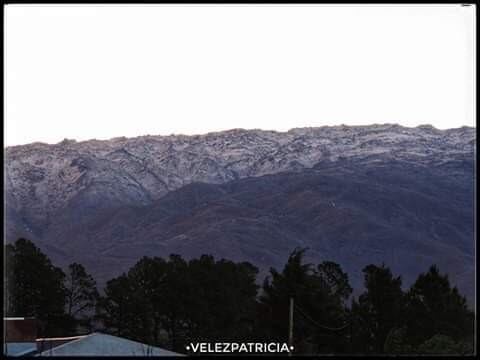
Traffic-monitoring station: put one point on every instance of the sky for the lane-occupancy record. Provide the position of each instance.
(96, 72)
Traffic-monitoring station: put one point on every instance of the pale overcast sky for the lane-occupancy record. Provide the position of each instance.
(83, 72)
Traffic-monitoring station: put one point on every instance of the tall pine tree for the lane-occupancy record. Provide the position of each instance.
(378, 310)
(35, 287)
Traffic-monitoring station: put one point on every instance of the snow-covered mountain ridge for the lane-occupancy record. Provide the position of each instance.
(42, 178)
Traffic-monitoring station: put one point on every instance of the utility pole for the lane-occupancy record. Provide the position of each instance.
(290, 328)
(351, 332)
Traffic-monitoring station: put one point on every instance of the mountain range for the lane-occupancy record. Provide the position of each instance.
(352, 194)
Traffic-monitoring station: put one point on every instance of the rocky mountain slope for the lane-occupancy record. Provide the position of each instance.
(352, 194)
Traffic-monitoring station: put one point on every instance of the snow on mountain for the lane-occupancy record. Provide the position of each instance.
(99, 195)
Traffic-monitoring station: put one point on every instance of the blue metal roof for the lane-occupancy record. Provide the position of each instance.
(19, 348)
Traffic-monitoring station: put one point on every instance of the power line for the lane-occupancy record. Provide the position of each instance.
(323, 327)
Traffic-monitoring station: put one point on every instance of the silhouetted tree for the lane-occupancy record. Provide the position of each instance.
(318, 306)
(444, 345)
(397, 342)
(172, 302)
(378, 310)
(149, 284)
(434, 307)
(116, 309)
(81, 295)
(35, 287)
(176, 280)
(335, 279)
(201, 300)
(222, 301)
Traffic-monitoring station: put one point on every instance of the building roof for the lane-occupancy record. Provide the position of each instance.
(68, 338)
(19, 348)
(19, 329)
(98, 344)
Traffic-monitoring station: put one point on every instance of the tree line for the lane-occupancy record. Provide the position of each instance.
(173, 302)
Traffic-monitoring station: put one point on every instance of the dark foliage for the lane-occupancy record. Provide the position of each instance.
(199, 300)
(434, 307)
(317, 297)
(35, 287)
(81, 296)
(173, 302)
(379, 310)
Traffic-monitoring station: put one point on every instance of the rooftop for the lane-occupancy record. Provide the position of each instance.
(98, 344)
